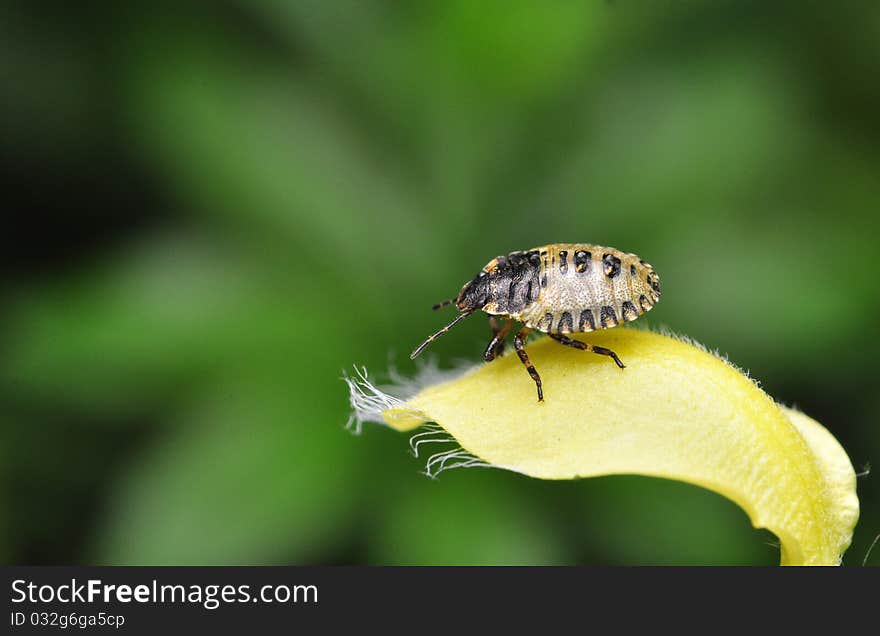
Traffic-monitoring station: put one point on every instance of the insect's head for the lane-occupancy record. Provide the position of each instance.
(472, 297)
(474, 294)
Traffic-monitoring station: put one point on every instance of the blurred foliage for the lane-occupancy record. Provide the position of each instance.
(215, 208)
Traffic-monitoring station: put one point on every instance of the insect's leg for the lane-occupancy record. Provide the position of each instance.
(494, 325)
(583, 346)
(496, 345)
(519, 343)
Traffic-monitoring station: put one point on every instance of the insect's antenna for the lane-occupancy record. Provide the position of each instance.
(445, 303)
(432, 338)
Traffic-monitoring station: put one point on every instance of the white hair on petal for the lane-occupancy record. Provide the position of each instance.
(664, 330)
(454, 458)
(369, 400)
(429, 434)
(428, 373)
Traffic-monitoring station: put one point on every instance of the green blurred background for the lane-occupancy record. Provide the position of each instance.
(213, 209)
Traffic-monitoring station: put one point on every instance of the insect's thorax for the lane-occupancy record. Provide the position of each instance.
(572, 287)
(514, 282)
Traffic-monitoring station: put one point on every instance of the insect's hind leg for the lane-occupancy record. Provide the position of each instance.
(519, 344)
(496, 345)
(583, 346)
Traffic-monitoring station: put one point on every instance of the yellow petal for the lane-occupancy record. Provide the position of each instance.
(676, 412)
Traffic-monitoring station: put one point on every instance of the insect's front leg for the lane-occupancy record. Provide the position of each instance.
(519, 343)
(496, 344)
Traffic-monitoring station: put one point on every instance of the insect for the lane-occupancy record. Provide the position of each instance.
(556, 289)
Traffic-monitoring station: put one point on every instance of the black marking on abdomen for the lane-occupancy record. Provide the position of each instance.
(563, 262)
(586, 322)
(544, 280)
(565, 324)
(644, 304)
(611, 264)
(534, 258)
(582, 261)
(608, 317)
(629, 311)
(534, 289)
(545, 323)
(632, 271)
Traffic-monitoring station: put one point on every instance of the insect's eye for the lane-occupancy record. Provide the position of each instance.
(481, 274)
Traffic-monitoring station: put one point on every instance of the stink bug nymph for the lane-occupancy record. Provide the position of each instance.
(556, 289)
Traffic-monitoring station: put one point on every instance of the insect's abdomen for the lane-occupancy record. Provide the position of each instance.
(586, 287)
